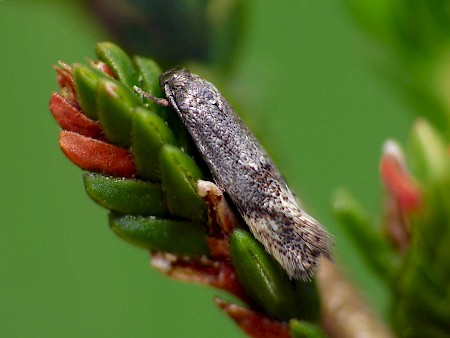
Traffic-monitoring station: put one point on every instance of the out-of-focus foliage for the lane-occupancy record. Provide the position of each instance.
(410, 250)
(414, 41)
(175, 32)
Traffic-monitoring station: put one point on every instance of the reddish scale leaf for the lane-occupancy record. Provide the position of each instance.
(65, 78)
(71, 119)
(104, 68)
(226, 279)
(222, 219)
(219, 247)
(94, 155)
(397, 225)
(400, 184)
(219, 274)
(252, 323)
(65, 82)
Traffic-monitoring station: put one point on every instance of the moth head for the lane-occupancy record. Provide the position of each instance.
(174, 77)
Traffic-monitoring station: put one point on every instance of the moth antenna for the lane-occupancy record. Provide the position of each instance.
(157, 100)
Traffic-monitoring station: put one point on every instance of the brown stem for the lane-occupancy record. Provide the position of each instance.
(344, 313)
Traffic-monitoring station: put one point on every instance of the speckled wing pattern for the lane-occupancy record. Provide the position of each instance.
(242, 168)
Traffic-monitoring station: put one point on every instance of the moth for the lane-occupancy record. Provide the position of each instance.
(243, 169)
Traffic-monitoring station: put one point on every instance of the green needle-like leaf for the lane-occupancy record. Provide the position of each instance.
(119, 62)
(179, 178)
(128, 196)
(262, 277)
(149, 72)
(149, 134)
(309, 307)
(86, 80)
(430, 151)
(374, 249)
(177, 237)
(116, 104)
(303, 329)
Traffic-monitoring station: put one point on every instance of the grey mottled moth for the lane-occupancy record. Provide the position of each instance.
(242, 168)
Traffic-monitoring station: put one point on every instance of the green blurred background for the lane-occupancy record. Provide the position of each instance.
(310, 92)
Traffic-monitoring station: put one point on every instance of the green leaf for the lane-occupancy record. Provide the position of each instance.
(128, 196)
(411, 318)
(309, 307)
(303, 329)
(177, 237)
(149, 134)
(119, 62)
(179, 178)
(417, 287)
(373, 248)
(149, 73)
(430, 152)
(262, 277)
(86, 79)
(116, 104)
